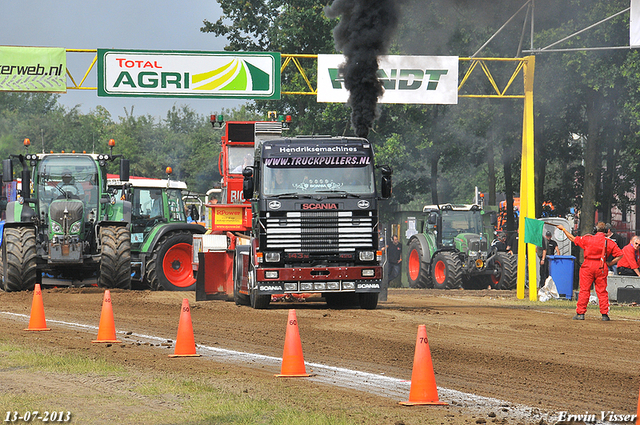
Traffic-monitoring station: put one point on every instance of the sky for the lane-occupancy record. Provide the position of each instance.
(116, 24)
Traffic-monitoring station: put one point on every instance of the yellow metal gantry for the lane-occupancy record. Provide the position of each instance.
(524, 65)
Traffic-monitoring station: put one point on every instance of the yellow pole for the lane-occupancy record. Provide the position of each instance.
(527, 188)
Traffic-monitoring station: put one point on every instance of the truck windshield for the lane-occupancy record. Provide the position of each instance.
(456, 222)
(355, 180)
(67, 177)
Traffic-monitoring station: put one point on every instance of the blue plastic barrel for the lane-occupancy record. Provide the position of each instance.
(561, 271)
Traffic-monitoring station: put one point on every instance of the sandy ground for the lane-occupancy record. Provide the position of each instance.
(482, 343)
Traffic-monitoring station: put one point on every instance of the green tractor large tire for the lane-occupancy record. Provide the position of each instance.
(170, 267)
(507, 268)
(115, 258)
(446, 271)
(19, 258)
(417, 266)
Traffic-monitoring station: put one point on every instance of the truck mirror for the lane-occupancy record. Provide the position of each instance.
(433, 218)
(7, 170)
(124, 170)
(386, 186)
(247, 183)
(26, 182)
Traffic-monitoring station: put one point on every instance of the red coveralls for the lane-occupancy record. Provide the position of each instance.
(594, 269)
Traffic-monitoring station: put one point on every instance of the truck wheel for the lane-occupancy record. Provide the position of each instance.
(259, 302)
(417, 266)
(19, 258)
(368, 300)
(447, 271)
(170, 265)
(506, 265)
(240, 299)
(115, 259)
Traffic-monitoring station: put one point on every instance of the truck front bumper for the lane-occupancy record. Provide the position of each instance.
(318, 279)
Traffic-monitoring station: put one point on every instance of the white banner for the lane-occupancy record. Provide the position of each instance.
(634, 24)
(406, 79)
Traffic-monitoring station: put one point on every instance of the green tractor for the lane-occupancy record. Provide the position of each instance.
(161, 237)
(454, 251)
(65, 224)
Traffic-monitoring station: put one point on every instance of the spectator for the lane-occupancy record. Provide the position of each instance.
(549, 247)
(394, 256)
(512, 245)
(628, 264)
(611, 234)
(500, 243)
(597, 248)
(246, 162)
(156, 203)
(68, 186)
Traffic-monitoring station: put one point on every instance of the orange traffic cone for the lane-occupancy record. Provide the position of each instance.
(292, 360)
(106, 329)
(423, 382)
(37, 322)
(638, 412)
(185, 342)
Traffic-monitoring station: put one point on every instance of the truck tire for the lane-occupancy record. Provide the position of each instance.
(170, 265)
(446, 271)
(417, 266)
(115, 259)
(368, 300)
(507, 267)
(19, 258)
(238, 298)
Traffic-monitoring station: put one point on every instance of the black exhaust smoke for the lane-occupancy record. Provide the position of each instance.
(363, 33)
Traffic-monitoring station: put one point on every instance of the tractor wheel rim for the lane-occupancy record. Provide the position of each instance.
(176, 265)
(440, 272)
(414, 265)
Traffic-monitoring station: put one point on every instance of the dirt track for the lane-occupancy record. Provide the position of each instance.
(482, 342)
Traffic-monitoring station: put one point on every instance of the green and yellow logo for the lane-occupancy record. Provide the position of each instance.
(236, 75)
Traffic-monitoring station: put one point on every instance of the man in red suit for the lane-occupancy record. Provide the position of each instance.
(595, 268)
(628, 265)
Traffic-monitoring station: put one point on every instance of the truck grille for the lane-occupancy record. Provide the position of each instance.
(320, 232)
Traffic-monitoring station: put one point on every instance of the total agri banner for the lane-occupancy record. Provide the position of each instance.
(144, 73)
(406, 79)
(33, 69)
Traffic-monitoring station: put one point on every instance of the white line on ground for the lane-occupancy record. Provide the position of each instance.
(372, 383)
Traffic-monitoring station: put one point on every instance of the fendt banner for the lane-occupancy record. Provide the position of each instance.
(33, 69)
(406, 79)
(142, 73)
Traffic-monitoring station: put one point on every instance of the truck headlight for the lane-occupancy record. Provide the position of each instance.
(56, 228)
(473, 253)
(366, 255)
(271, 274)
(272, 257)
(291, 286)
(75, 227)
(306, 286)
(368, 272)
(348, 285)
